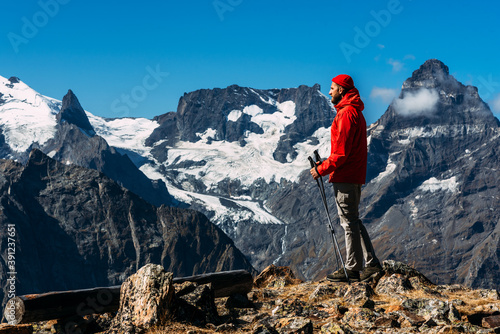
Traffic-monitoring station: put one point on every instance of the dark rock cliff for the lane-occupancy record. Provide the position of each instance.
(73, 113)
(77, 228)
(206, 109)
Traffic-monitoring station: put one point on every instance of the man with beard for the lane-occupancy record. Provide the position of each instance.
(347, 168)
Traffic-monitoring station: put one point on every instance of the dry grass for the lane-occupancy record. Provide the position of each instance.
(173, 327)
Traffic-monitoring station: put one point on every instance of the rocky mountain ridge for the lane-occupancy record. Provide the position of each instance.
(76, 228)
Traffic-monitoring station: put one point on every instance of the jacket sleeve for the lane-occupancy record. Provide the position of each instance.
(341, 148)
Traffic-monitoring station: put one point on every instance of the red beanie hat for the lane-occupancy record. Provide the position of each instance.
(344, 80)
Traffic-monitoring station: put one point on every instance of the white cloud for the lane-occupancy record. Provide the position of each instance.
(495, 104)
(396, 65)
(381, 46)
(422, 102)
(410, 56)
(385, 94)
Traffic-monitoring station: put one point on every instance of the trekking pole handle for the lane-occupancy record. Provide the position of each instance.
(313, 165)
(317, 157)
(311, 161)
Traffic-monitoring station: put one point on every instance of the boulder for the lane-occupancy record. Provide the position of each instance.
(198, 306)
(358, 293)
(394, 284)
(408, 319)
(324, 291)
(441, 312)
(238, 301)
(395, 267)
(145, 300)
(274, 276)
(360, 318)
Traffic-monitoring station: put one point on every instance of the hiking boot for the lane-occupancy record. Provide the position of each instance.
(372, 272)
(339, 276)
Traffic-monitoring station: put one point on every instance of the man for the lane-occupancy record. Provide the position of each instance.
(347, 168)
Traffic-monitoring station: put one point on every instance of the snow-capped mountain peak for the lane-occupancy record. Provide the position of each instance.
(27, 116)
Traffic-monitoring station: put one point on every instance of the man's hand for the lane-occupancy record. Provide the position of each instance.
(314, 173)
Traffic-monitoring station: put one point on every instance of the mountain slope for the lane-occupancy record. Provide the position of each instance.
(77, 228)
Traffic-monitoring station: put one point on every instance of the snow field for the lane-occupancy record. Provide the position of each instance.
(27, 116)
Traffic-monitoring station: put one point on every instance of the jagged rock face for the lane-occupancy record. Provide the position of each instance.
(72, 146)
(454, 103)
(214, 109)
(73, 113)
(75, 142)
(76, 228)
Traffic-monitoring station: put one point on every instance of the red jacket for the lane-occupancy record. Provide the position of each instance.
(348, 157)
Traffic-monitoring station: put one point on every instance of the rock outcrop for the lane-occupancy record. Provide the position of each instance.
(75, 143)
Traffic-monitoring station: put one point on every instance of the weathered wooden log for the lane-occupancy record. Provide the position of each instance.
(225, 283)
(62, 304)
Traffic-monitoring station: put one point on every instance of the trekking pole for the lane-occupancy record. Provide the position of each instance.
(323, 197)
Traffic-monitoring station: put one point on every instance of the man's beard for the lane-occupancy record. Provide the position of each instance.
(336, 99)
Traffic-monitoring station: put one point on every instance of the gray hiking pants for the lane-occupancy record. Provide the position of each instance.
(357, 242)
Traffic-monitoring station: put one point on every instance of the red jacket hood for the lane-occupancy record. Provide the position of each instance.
(351, 98)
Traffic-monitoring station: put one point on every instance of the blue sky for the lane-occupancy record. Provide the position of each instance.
(137, 59)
